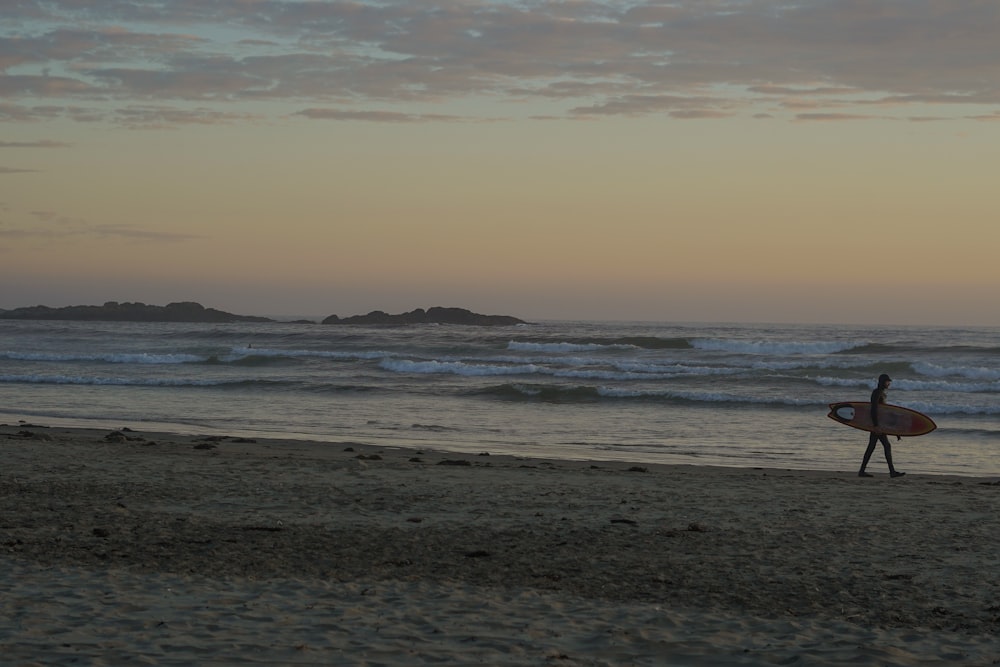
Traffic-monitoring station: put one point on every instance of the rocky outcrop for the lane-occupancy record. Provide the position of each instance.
(435, 315)
(189, 311)
(112, 311)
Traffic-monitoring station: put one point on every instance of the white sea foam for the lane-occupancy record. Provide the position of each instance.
(624, 372)
(773, 347)
(946, 385)
(111, 357)
(970, 372)
(518, 346)
(455, 368)
(842, 382)
(106, 381)
(360, 355)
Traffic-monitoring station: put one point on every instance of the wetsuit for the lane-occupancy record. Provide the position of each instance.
(878, 397)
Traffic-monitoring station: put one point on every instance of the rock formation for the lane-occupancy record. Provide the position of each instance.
(435, 315)
(112, 311)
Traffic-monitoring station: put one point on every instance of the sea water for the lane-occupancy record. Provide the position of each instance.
(744, 395)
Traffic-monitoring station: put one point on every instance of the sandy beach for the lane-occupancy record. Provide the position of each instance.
(123, 546)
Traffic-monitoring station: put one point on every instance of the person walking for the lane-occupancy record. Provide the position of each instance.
(877, 435)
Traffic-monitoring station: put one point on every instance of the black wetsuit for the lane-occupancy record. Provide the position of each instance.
(878, 397)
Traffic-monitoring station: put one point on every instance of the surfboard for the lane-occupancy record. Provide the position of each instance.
(892, 419)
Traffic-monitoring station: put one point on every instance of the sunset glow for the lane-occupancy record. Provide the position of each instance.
(823, 161)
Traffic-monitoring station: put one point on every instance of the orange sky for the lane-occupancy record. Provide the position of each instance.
(826, 162)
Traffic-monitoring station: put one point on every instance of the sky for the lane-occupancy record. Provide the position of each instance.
(828, 161)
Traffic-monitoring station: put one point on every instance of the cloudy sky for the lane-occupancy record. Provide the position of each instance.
(697, 160)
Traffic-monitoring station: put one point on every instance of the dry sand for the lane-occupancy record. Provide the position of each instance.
(145, 548)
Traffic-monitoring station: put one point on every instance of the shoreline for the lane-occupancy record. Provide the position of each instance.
(168, 432)
(306, 444)
(369, 554)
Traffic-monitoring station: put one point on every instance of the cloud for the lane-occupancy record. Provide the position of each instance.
(43, 143)
(234, 58)
(832, 116)
(166, 117)
(675, 105)
(51, 226)
(14, 170)
(374, 116)
(139, 234)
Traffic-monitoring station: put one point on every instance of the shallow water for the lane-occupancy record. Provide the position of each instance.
(721, 394)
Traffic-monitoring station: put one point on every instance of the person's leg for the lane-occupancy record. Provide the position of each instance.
(888, 457)
(872, 439)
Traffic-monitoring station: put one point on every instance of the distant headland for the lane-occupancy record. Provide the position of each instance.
(435, 315)
(189, 311)
(112, 311)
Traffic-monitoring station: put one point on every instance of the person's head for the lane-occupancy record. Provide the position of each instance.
(883, 381)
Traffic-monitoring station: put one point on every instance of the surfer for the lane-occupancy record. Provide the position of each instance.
(878, 397)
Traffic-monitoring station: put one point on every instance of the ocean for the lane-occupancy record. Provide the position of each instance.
(742, 395)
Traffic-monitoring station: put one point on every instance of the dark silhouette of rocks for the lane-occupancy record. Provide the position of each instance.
(112, 311)
(435, 315)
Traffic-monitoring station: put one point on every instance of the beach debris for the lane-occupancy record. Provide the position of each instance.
(31, 435)
(695, 527)
(369, 457)
(630, 522)
(101, 532)
(478, 553)
(638, 469)
(415, 519)
(209, 441)
(455, 462)
(416, 459)
(244, 441)
(119, 436)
